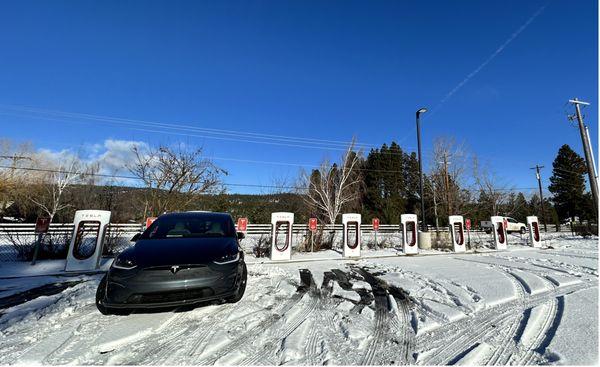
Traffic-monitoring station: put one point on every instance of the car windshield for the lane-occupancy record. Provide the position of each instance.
(198, 225)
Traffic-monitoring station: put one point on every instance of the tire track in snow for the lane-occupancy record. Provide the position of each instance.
(319, 336)
(402, 322)
(198, 329)
(86, 324)
(157, 346)
(472, 332)
(520, 303)
(469, 336)
(198, 325)
(74, 317)
(243, 340)
(496, 315)
(504, 345)
(386, 347)
(381, 309)
(558, 266)
(571, 254)
(204, 334)
(536, 349)
(551, 332)
(269, 351)
(311, 348)
(507, 348)
(36, 292)
(269, 347)
(170, 344)
(538, 272)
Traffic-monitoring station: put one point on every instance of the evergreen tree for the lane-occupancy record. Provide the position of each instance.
(391, 184)
(373, 185)
(484, 208)
(549, 211)
(568, 183)
(518, 207)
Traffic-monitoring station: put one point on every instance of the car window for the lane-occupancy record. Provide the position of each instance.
(199, 225)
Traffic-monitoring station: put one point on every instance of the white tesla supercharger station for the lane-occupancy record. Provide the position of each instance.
(500, 235)
(457, 232)
(281, 235)
(352, 234)
(85, 249)
(534, 231)
(410, 244)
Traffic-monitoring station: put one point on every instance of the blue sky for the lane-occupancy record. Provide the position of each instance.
(313, 69)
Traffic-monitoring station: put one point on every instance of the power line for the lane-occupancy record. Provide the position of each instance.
(236, 138)
(35, 169)
(186, 128)
(297, 164)
(91, 174)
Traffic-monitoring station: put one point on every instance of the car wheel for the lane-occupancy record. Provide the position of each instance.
(523, 230)
(100, 295)
(241, 289)
(487, 231)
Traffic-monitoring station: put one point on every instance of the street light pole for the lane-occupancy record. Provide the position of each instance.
(423, 224)
(587, 150)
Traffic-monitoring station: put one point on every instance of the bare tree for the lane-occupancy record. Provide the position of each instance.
(448, 173)
(330, 187)
(280, 184)
(494, 194)
(173, 178)
(53, 184)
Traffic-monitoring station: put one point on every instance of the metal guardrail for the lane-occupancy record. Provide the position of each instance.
(29, 228)
(251, 228)
(17, 239)
(63, 227)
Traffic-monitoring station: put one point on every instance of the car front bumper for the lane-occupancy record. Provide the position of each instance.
(160, 287)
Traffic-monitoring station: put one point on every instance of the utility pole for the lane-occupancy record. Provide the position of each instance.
(587, 150)
(542, 210)
(587, 134)
(447, 184)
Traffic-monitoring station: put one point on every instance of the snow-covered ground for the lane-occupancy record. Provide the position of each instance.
(521, 306)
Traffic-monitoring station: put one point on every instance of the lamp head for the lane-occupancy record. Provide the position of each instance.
(422, 110)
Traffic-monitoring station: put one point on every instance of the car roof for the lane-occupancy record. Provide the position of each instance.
(191, 214)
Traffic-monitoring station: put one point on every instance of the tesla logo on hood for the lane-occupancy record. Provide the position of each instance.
(174, 269)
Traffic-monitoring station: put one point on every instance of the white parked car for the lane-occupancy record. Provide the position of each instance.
(513, 226)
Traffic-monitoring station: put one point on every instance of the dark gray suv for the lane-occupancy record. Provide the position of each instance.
(181, 259)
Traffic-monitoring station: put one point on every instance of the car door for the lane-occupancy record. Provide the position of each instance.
(513, 225)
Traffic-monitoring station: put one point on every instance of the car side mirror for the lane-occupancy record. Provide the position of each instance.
(241, 235)
(135, 237)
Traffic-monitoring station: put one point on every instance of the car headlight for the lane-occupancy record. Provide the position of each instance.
(228, 259)
(123, 263)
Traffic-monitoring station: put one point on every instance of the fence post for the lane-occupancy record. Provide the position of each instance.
(37, 248)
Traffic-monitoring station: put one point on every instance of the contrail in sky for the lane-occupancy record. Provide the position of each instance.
(488, 60)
